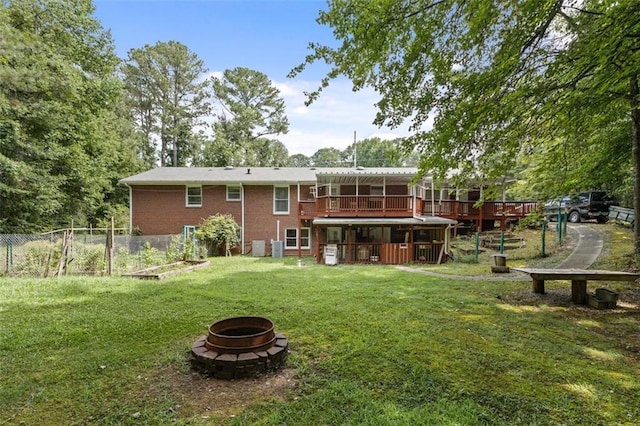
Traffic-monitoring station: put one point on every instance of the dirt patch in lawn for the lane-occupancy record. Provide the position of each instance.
(210, 399)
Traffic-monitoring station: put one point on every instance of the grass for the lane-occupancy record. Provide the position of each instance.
(528, 254)
(369, 345)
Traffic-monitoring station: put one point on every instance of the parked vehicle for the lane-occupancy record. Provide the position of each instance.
(583, 206)
(563, 205)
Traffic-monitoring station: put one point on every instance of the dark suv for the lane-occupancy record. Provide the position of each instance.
(583, 206)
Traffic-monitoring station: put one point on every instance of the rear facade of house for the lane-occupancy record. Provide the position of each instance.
(337, 215)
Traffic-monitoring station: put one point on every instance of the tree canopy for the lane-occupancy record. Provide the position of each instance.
(64, 136)
(249, 108)
(502, 81)
(168, 98)
(546, 90)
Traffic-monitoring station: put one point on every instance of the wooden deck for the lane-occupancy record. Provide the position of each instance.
(489, 210)
(407, 206)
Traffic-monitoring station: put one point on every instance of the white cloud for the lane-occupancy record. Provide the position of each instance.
(330, 121)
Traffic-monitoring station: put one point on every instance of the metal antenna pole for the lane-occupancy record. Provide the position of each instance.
(355, 151)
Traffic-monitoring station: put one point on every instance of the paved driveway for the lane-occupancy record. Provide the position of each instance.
(587, 248)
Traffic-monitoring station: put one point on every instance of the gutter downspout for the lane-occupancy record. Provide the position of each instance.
(242, 218)
(433, 201)
(130, 208)
(415, 199)
(299, 225)
(447, 240)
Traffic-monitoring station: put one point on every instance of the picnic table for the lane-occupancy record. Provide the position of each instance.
(578, 278)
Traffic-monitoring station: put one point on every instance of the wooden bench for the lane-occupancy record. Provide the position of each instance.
(578, 278)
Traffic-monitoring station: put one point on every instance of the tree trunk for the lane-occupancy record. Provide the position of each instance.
(635, 152)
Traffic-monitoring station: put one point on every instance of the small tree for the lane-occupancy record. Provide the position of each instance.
(219, 231)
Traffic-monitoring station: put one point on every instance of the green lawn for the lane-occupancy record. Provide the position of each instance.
(368, 345)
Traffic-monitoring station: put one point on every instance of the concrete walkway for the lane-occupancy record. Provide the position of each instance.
(586, 250)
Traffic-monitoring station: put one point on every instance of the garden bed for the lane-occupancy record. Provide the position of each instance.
(168, 270)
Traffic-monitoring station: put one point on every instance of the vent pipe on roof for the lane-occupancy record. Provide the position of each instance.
(248, 171)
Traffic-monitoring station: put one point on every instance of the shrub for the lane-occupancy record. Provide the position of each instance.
(88, 258)
(123, 259)
(149, 254)
(219, 232)
(39, 258)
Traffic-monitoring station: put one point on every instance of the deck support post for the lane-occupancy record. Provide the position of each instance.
(538, 286)
(579, 292)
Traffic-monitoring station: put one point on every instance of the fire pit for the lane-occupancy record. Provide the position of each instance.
(239, 347)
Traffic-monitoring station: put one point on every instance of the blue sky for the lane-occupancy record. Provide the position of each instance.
(270, 36)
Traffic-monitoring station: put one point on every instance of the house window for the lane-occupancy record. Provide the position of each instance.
(194, 196)
(305, 238)
(281, 199)
(291, 238)
(233, 193)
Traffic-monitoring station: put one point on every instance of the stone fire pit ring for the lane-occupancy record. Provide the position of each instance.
(239, 347)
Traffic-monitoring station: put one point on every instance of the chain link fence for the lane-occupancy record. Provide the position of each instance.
(81, 251)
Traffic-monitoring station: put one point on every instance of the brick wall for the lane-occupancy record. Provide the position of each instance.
(160, 210)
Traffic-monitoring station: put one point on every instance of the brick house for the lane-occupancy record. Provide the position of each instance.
(359, 215)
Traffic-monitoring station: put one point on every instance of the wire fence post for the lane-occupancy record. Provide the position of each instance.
(109, 248)
(559, 227)
(477, 245)
(544, 231)
(9, 256)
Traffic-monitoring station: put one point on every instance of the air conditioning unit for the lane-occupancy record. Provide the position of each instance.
(258, 248)
(277, 248)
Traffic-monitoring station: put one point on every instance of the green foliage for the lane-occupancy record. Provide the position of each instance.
(64, 141)
(219, 232)
(375, 152)
(176, 250)
(41, 258)
(531, 221)
(38, 258)
(168, 98)
(330, 157)
(88, 258)
(251, 108)
(369, 345)
(148, 254)
(271, 153)
(545, 88)
(122, 259)
(119, 213)
(184, 249)
(300, 160)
